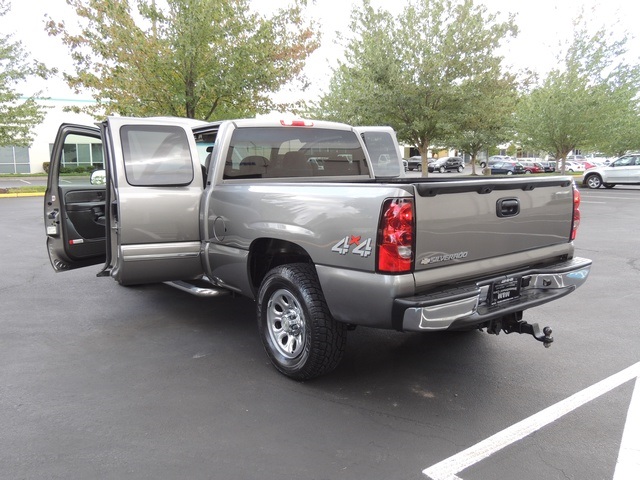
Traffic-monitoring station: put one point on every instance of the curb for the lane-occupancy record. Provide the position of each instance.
(15, 195)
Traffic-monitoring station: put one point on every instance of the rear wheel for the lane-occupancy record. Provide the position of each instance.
(299, 334)
(593, 181)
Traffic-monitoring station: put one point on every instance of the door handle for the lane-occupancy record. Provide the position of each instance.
(508, 207)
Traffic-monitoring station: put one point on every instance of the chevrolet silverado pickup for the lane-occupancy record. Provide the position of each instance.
(314, 221)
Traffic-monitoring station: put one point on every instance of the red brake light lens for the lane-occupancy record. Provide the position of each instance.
(395, 236)
(576, 213)
(296, 123)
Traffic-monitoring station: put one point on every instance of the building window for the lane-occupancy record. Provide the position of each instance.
(77, 152)
(14, 160)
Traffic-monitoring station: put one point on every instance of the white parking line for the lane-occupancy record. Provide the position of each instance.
(628, 465)
(447, 469)
(599, 197)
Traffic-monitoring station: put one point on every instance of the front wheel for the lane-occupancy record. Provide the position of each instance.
(442, 170)
(594, 181)
(299, 334)
(460, 169)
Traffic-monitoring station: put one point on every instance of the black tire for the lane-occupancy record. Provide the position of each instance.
(593, 181)
(442, 170)
(509, 172)
(299, 334)
(460, 169)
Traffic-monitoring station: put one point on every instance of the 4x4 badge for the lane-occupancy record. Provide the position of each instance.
(362, 247)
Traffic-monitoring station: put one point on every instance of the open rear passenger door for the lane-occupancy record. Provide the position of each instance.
(151, 204)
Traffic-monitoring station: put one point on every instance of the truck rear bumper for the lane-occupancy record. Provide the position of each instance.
(470, 304)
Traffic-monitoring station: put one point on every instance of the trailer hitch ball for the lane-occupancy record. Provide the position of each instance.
(548, 339)
(544, 336)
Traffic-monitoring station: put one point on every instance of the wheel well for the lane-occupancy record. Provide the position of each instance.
(268, 253)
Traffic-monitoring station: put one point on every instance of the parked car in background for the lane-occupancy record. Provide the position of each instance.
(572, 166)
(507, 168)
(531, 166)
(447, 164)
(495, 159)
(415, 163)
(599, 159)
(625, 170)
(548, 165)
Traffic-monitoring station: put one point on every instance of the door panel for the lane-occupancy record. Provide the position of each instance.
(74, 209)
(155, 218)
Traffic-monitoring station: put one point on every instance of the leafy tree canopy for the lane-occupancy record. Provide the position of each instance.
(414, 71)
(18, 116)
(589, 102)
(204, 59)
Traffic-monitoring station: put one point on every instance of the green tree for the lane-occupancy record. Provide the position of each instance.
(486, 119)
(18, 116)
(590, 101)
(409, 72)
(205, 59)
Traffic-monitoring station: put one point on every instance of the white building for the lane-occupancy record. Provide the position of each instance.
(32, 159)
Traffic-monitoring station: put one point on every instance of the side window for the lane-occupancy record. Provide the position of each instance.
(156, 155)
(81, 155)
(383, 153)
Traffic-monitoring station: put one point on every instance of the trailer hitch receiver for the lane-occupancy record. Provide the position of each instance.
(513, 323)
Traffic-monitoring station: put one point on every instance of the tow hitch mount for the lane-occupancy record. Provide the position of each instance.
(513, 323)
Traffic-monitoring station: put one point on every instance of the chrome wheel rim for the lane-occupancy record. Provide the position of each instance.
(593, 182)
(285, 322)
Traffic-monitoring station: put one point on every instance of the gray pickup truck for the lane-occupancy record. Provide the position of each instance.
(314, 221)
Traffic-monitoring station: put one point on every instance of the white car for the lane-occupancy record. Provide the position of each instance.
(573, 167)
(624, 170)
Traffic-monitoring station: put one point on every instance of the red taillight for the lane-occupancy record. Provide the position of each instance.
(395, 237)
(576, 213)
(296, 123)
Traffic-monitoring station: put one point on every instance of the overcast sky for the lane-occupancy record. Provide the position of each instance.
(542, 23)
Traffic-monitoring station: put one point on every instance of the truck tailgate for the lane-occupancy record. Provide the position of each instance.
(476, 219)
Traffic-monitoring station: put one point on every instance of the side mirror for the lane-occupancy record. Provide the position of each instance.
(98, 177)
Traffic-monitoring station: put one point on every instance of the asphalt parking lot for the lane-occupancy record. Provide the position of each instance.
(103, 381)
